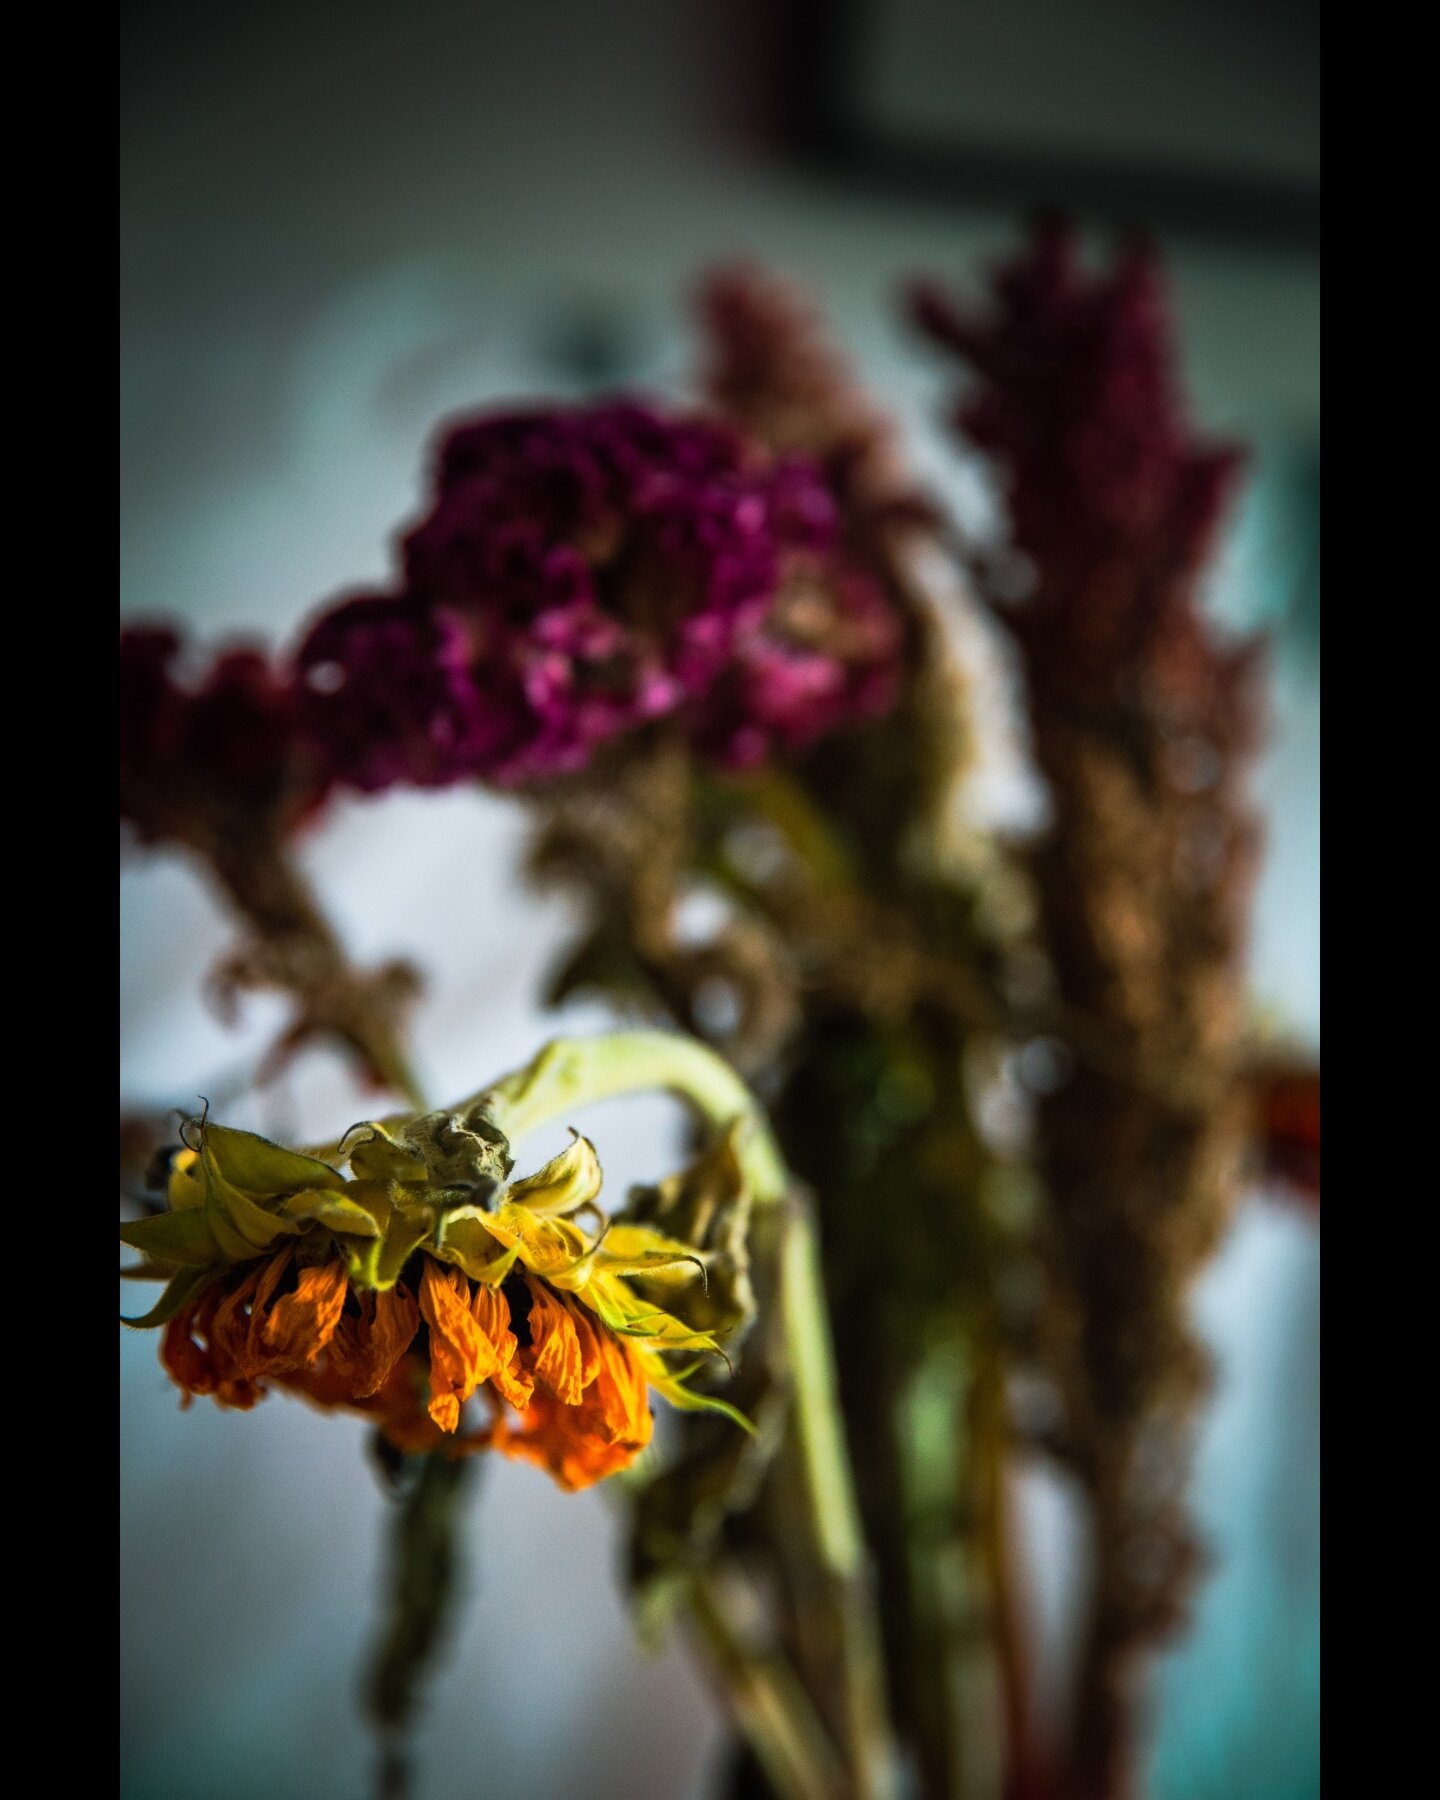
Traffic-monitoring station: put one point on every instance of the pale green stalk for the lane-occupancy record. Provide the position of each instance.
(575, 1072)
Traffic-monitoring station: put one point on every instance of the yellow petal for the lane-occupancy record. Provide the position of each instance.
(185, 1188)
(547, 1246)
(672, 1387)
(568, 1181)
(637, 1250)
(629, 1316)
(462, 1238)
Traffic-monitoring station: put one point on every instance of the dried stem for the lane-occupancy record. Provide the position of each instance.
(296, 948)
(421, 1600)
(770, 1706)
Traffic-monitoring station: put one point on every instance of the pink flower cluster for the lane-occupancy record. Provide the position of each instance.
(197, 755)
(580, 572)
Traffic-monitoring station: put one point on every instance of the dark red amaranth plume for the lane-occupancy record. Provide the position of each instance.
(1113, 499)
(772, 368)
(1143, 724)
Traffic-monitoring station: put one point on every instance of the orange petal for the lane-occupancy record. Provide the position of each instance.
(186, 1363)
(562, 1440)
(581, 1444)
(300, 1325)
(232, 1340)
(198, 1368)
(555, 1355)
(619, 1403)
(492, 1315)
(587, 1332)
(399, 1406)
(392, 1331)
(461, 1355)
(258, 1354)
(367, 1344)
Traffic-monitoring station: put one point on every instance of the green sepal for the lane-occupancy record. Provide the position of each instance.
(182, 1288)
(242, 1227)
(377, 1262)
(339, 1212)
(183, 1237)
(672, 1388)
(379, 1158)
(260, 1167)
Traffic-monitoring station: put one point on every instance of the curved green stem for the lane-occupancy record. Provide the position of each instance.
(574, 1072)
(852, 1651)
(817, 1413)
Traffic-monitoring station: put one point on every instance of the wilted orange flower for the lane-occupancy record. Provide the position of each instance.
(400, 1294)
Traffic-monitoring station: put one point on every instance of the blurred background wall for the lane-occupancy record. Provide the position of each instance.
(341, 222)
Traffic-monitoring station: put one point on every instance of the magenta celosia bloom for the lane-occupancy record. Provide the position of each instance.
(829, 655)
(627, 551)
(582, 571)
(228, 744)
(391, 694)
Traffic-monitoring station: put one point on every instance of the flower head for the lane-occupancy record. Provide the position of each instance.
(419, 1279)
(580, 572)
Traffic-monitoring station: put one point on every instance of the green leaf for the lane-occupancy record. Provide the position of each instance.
(183, 1237)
